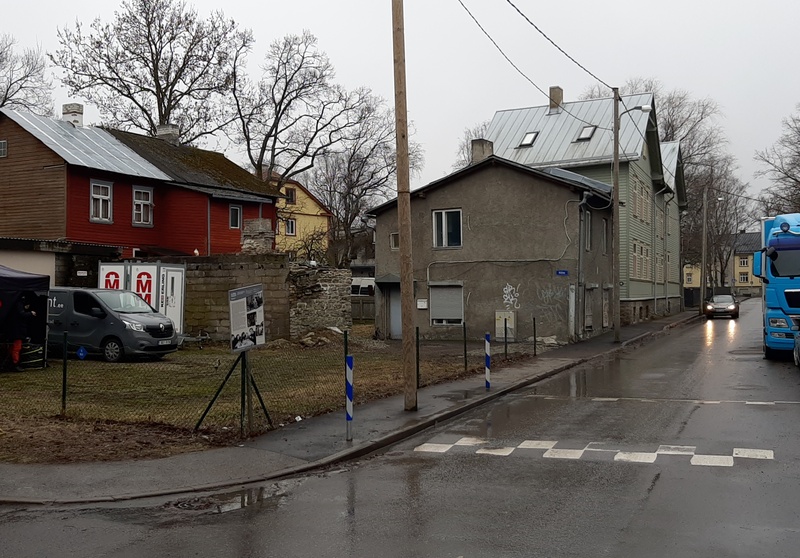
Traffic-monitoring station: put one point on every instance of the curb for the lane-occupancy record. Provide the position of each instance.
(371, 446)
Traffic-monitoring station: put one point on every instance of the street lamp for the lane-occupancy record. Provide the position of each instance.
(704, 240)
(615, 211)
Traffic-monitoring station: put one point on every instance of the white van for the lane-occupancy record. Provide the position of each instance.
(113, 323)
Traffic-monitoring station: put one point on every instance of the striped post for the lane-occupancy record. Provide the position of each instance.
(488, 345)
(349, 389)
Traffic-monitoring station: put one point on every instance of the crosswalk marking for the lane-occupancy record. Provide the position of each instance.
(598, 449)
(753, 453)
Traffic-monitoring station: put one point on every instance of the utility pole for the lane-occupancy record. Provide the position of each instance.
(615, 214)
(404, 208)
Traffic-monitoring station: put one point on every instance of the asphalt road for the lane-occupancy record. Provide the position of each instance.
(684, 447)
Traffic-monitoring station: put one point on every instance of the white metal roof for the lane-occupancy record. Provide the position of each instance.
(555, 144)
(669, 160)
(86, 147)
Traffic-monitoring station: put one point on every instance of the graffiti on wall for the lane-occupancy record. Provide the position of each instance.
(552, 307)
(511, 296)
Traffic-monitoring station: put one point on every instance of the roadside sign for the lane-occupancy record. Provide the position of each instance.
(82, 353)
(247, 317)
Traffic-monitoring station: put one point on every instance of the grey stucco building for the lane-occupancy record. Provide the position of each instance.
(499, 241)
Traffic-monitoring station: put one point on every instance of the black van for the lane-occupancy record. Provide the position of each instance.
(114, 323)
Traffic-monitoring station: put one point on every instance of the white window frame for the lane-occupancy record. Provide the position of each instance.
(745, 275)
(443, 317)
(140, 205)
(528, 139)
(291, 227)
(440, 240)
(744, 261)
(232, 208)
(394, 241)
(105, 200)
(689, 277)
(586, 133)
(3, 148)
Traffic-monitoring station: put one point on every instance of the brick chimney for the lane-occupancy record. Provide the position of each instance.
(169, 133)
(481, 149)
(556, 99)
(72, 113)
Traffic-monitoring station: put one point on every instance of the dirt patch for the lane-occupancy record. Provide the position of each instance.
(64, 440)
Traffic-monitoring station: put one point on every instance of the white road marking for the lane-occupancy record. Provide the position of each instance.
(759, 402)
(435, 448)
(636, 457)
(470, 441)
(753, 453)
(713, 460)
(676, 450)
(496, 451)
(537, 444)
(608, 399)
(710, 402)
(563, 454)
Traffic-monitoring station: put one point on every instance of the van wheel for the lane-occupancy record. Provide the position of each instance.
(112, 350)
(770, 354)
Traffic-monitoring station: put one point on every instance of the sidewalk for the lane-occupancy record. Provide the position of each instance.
(304, 445)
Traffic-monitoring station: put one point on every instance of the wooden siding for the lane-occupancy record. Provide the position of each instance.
(225, 240)
(32, 186)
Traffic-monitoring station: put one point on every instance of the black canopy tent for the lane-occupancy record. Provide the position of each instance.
(13, 283)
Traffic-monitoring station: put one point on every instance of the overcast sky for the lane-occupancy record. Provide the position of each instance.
(742, 55)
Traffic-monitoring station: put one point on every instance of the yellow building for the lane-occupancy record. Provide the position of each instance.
(303, 227)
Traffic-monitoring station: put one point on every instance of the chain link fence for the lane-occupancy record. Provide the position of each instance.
(293, 379)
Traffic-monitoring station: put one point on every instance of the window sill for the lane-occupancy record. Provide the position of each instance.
(447, 247)
(102, 221)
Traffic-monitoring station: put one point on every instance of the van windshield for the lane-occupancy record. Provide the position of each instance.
(126, 302)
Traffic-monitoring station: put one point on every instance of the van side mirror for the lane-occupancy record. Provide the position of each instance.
(97, 312)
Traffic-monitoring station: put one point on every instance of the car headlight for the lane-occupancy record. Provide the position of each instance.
(709, 307)
(135, 326)
(777, 322)
(732, 307)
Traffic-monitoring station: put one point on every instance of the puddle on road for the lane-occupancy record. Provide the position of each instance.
(238, 499)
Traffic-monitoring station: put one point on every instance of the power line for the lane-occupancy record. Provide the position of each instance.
(485, 32)
(543, 34)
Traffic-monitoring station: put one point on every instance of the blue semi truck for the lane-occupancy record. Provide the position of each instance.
(778, 266)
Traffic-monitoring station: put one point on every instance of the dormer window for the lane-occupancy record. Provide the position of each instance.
(587, 133)
(528, 139)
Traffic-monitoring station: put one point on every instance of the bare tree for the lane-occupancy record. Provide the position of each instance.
(358, 174)
(157, 63)
(680, 117)
(295, 112)
(23, 83)
(782, 162)
(464, 151)
(310, 246)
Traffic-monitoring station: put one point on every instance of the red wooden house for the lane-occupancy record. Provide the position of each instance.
(149, 196)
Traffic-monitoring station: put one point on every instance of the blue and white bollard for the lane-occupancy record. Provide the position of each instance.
(488, 359)
(349, 389)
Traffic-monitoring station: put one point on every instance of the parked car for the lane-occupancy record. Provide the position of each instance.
(113, 323)
(721, 305)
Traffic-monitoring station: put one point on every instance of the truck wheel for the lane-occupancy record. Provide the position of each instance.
(112, 350)
(770, 354)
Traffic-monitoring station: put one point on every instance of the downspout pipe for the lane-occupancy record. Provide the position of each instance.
(666, 266)
(582, 235)
(655, 253)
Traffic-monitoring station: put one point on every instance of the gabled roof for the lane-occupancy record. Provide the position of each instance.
(87, 147)
(559, 176)
(188, 165)
(747, 243)
(558, 130)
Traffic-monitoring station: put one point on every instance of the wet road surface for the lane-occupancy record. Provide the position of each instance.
(684, 447)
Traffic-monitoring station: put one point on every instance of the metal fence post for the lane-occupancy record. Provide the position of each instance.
(64, 377)
(505, 337)
(488, 361)
(349, 393)
(416, 330)
(464, 329)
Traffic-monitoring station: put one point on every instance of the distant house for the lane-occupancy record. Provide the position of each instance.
(304, 223)
(60, 181)
(500, 243)
(577, 136)
(742, 280)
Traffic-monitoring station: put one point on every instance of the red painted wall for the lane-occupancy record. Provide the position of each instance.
(180, 217)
